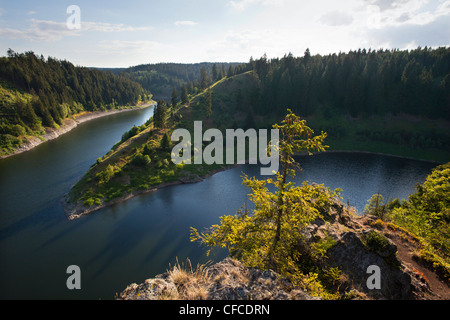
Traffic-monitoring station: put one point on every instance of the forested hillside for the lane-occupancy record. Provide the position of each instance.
(384, 101)
(36, 92)
(257, 98)
(358, 83)
(161, 78)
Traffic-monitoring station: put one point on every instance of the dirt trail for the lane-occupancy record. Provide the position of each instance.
(439, 289)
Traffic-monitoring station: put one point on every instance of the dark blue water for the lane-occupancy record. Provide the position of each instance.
(137, 239)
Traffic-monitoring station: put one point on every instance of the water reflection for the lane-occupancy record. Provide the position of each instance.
(137, 239)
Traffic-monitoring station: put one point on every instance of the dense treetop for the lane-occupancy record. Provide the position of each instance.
(37, 92)
(362, 82)
(161, 78)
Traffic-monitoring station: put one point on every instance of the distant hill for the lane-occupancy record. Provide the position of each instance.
(160, 78)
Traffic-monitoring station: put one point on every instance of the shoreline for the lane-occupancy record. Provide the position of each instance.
(69, 124)
(375, 153)
(77, 210)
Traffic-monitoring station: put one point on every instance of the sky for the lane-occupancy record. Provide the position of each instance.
(132, 32)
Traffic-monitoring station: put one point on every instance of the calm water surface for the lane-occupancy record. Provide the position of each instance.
(137, 239)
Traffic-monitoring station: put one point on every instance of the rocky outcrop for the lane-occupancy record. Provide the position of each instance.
(359, 242)
(225, 280)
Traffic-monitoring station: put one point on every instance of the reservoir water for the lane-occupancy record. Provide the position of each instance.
(139, 238)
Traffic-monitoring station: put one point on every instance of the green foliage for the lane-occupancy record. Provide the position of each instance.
(433, 197)
(160, 114)
(35, 92)
(174, 96)
(375, 206)
(131, 133)
(106, 175)
(166, 144)
(141, 160)
(184, 94)
(320, 248)
(360, 99)
(268, 236)
(89, 202)
(208, 103)
(436, 262)
(160, 78)
(358, 82)
(426, 214)
(203, 78)
(139, 164)
(375, 241)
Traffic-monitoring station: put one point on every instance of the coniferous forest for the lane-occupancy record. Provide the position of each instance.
(38, 92)
(385, 91)
(362, 82)
(400, 97)
(161, 78)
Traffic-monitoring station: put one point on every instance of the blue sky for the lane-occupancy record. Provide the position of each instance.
(126, 33)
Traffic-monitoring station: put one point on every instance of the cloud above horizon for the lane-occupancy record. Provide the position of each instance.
(185, 23)
(47, 30)
(227, 30)
(336, 18)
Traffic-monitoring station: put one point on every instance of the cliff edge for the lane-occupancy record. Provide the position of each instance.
(359, 242)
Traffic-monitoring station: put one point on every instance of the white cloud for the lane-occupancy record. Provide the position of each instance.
(406, 36)
(384, 13)
(336, 18)
(241, 5)
(39, 30)
(31, 12)
(387, 4)
(239, 45)
(185, 23)
(125, 47)
(46, 30)
(108, 27)
(132, 52)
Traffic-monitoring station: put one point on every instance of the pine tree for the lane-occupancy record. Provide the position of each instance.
(215, 73)
(174, 96)
(166, 144)
(230, 71)
(267, 238)
(184, 94)
(160, 115)
(222, 71)
(208, 107)
(307, 56)
(203, 78)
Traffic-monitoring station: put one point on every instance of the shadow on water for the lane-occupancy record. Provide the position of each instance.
(137, 239)
(38, 219)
